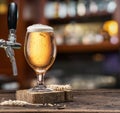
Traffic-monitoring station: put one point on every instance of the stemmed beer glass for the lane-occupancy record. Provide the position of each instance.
(40, 51)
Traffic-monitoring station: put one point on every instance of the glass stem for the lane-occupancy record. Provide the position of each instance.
(40, 79)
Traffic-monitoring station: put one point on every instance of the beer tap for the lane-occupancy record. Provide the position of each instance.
(11, 43)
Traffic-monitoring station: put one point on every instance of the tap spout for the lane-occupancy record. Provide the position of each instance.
(9, 47)
(10, 53)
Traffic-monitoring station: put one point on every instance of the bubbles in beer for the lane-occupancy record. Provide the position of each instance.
(39, 48)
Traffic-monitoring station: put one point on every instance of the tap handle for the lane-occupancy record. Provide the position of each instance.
(12, 15)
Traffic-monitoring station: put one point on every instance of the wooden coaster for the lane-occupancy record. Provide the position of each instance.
(68, 95)
(44, 97)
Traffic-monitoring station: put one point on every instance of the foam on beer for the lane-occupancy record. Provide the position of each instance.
(39, 28)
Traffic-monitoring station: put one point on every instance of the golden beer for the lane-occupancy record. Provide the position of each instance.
(40, 49)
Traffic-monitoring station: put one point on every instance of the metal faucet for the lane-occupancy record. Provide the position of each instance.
(11, 43)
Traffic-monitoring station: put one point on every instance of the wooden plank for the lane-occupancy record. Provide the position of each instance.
(99, 47)
(85, 101)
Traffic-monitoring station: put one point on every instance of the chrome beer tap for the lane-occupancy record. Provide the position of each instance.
(11, 43)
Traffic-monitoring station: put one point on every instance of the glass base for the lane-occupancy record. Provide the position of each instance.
(40, 88)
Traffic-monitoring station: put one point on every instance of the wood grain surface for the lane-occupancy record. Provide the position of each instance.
(85, 101)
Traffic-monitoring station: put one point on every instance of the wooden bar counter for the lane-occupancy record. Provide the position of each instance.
(85, 101)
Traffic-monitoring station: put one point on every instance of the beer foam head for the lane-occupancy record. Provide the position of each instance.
(39, 28)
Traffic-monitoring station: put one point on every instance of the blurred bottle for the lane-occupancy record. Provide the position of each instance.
(49, 10)
(102, 4)
(81, 8)
(62, 9)
(71, 8)
(111, 6)
(93, 7)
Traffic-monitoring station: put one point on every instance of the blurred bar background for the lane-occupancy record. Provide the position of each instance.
(88, 40)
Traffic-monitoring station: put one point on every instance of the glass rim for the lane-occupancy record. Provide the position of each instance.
(39, 28)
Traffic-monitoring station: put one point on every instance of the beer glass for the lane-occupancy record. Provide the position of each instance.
(40, 51)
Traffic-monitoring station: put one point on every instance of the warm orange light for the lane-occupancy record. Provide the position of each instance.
(111, 27)
(3, 8)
